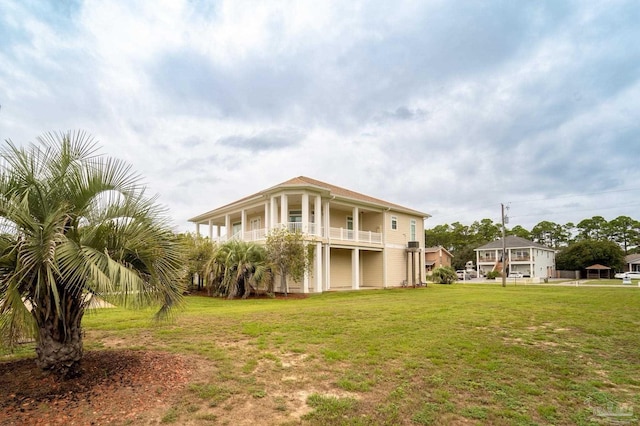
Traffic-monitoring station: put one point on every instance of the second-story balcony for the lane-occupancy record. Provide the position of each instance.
(335, 234)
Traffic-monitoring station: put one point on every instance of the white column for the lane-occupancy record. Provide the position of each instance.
(211, 229)
(274, 212)
(317, 268)
(243, 224)
(327, 219)
(227, 225)
(385, 283)
(421, 261)
(531, 265)
(317, 219)
(284, 210)
(355, 269)
(356, 223)
(305, 212)
(198, 229)
(267, 219)
(327, 267)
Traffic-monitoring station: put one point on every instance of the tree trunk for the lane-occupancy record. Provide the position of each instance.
(60, 356)
(59, 347)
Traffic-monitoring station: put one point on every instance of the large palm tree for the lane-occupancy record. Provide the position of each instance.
(76, 224)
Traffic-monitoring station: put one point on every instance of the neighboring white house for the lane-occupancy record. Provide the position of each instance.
(632, 263)
(361, 241)
(523, 256)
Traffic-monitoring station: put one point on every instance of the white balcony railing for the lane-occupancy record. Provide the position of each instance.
(255, 235)
(338, 234)
(343, 234)
(370, 237)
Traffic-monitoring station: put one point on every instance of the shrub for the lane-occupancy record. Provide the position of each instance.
(493, 275)
(444, 275)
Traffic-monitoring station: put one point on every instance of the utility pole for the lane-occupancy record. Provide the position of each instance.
(504, 251)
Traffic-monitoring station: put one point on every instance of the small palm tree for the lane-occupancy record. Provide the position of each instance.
(74, 224)
(238, 267)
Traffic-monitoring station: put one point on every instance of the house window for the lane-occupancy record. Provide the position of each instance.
(295, 216)
(412, 230)
(350, 223)
(394, 222)
(255, 224)
(236, 228)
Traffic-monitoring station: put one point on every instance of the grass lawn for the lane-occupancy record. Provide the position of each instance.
(459, 354)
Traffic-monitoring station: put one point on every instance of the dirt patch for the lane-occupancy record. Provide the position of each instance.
(116, 387)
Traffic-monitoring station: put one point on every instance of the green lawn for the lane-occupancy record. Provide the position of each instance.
(458, 354)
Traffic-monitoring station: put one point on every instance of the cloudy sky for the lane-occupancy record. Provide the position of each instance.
(451, 108)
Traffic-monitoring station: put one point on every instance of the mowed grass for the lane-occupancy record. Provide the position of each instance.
(460, 354)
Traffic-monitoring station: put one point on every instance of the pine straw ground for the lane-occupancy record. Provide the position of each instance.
(116, 387)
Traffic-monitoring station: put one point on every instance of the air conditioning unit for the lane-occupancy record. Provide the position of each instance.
(413, 244)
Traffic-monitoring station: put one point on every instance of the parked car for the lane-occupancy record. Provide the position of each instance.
(634, 275)
(466, 275)
(516, 275)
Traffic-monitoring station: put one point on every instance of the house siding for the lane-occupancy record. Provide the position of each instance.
(372, 269)
(341, 269)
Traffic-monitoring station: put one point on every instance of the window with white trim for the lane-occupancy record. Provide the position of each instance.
(394, 222)
(295, 216)
(412, 230)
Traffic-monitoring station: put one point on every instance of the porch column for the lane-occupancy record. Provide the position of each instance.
(327, 220)
(227, 225)
(327, 267)
(243, 224)
(210, 229)
(305, 212)
(198, 229)
(284, 211)
(385, 281)
(355, 268)
(267, 219)
(317, 268)
(531, 263)
(273, 201)
(356, 223)
(317, 217)
(421, 261)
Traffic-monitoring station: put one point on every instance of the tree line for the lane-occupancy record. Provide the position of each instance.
(594, 240)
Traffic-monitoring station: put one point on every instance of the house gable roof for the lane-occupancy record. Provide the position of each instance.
(301, 182)
(632, 258)
(511, 241)
(437, 249)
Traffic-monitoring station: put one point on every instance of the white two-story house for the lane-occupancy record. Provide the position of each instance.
(361, 241)
(523, 256)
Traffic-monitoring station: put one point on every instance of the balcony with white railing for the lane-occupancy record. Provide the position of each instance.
(310, 229)
(367, 237)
